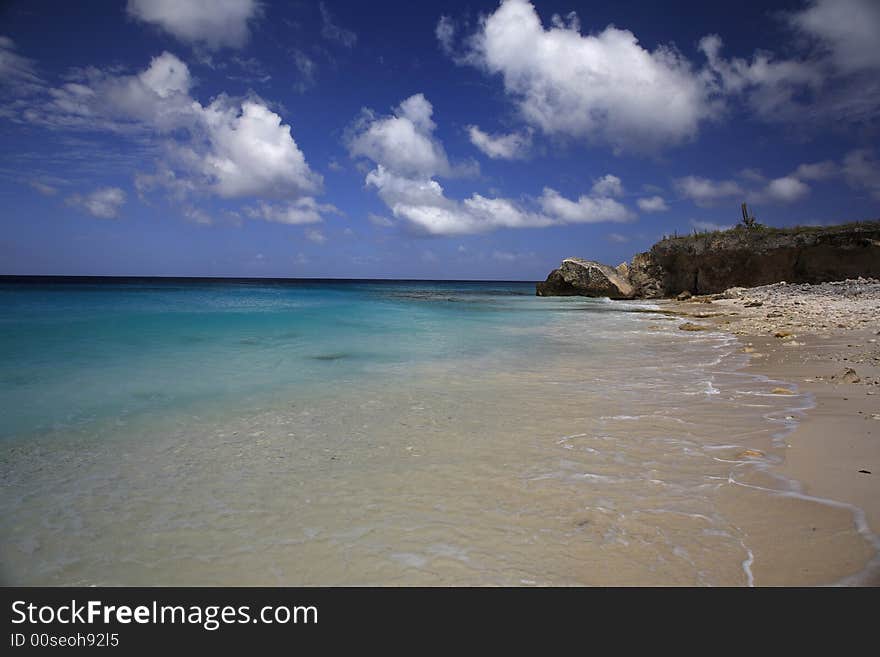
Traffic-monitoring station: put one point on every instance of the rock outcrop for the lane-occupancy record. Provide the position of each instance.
(713, 262)
(576, 277)
(710, 263)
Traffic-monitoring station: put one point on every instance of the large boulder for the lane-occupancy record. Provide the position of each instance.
(586, 278)
(646, 276)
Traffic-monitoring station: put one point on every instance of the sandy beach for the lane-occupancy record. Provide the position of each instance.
(825, 339)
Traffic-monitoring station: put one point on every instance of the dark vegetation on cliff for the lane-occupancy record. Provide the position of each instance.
(747, 256)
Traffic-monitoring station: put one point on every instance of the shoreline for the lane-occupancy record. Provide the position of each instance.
(795, 335)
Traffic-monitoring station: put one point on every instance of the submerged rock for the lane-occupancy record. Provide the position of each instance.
(688, 326)
(586, 278)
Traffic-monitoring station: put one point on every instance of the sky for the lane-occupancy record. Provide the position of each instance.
(453, 140)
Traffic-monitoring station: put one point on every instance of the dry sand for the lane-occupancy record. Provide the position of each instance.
(826, 340)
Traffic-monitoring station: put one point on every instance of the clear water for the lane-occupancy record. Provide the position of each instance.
(170, 432)
(76, 353)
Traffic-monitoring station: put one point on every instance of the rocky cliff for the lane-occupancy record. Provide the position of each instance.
(712, 262)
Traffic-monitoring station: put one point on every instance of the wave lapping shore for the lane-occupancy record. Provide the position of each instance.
(825, 338)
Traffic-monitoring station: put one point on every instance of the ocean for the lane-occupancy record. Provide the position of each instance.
(304, 432)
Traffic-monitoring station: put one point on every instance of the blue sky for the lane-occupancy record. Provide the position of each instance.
(421, 140)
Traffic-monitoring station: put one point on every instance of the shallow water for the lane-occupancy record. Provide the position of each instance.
(391, 433)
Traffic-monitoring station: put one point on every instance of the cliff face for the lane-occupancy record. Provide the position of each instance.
(711, 263)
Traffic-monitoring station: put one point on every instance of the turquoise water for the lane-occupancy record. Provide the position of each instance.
(168, 432)
(73, 353)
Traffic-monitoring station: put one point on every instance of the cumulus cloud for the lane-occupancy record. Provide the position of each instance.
(408, 157)
(605, 87)
(786, 189)
(817, 170)
(652, 204)
(403, 142)
(230, 148)
(608, 185)
(104, 203)
(512, 146)
(847, 30)
(705, 192)
(252, 153)
(586, 209)
(302, 211)
(210, 23)
(423, 203)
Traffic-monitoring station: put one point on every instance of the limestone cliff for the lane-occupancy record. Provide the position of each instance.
(712, 262)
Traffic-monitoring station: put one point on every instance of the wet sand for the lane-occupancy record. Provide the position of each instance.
(826, 341)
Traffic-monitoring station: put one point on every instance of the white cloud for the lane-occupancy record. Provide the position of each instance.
(407, 157)
(587, 209)
(211, 23)
(602, 86)
(512, 146)
(617, 238)
(302, 211)
(197, 216)
(705, 192)
(786, 189)
(445, 33)
(771, 85)
(403, 142)
(103, 203)
(231, 148)
(833, 78)
(846, 29)
(422, 203)
(709, 225)
(316, 236)
(817, 171)
(652, 204)
(307, 69)
(333, 32)
(17, 71)
(252, 153)
(608, 185)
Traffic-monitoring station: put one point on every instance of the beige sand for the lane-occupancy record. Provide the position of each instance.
(810, 336)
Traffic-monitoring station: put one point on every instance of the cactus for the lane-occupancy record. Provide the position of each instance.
(748, 220)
